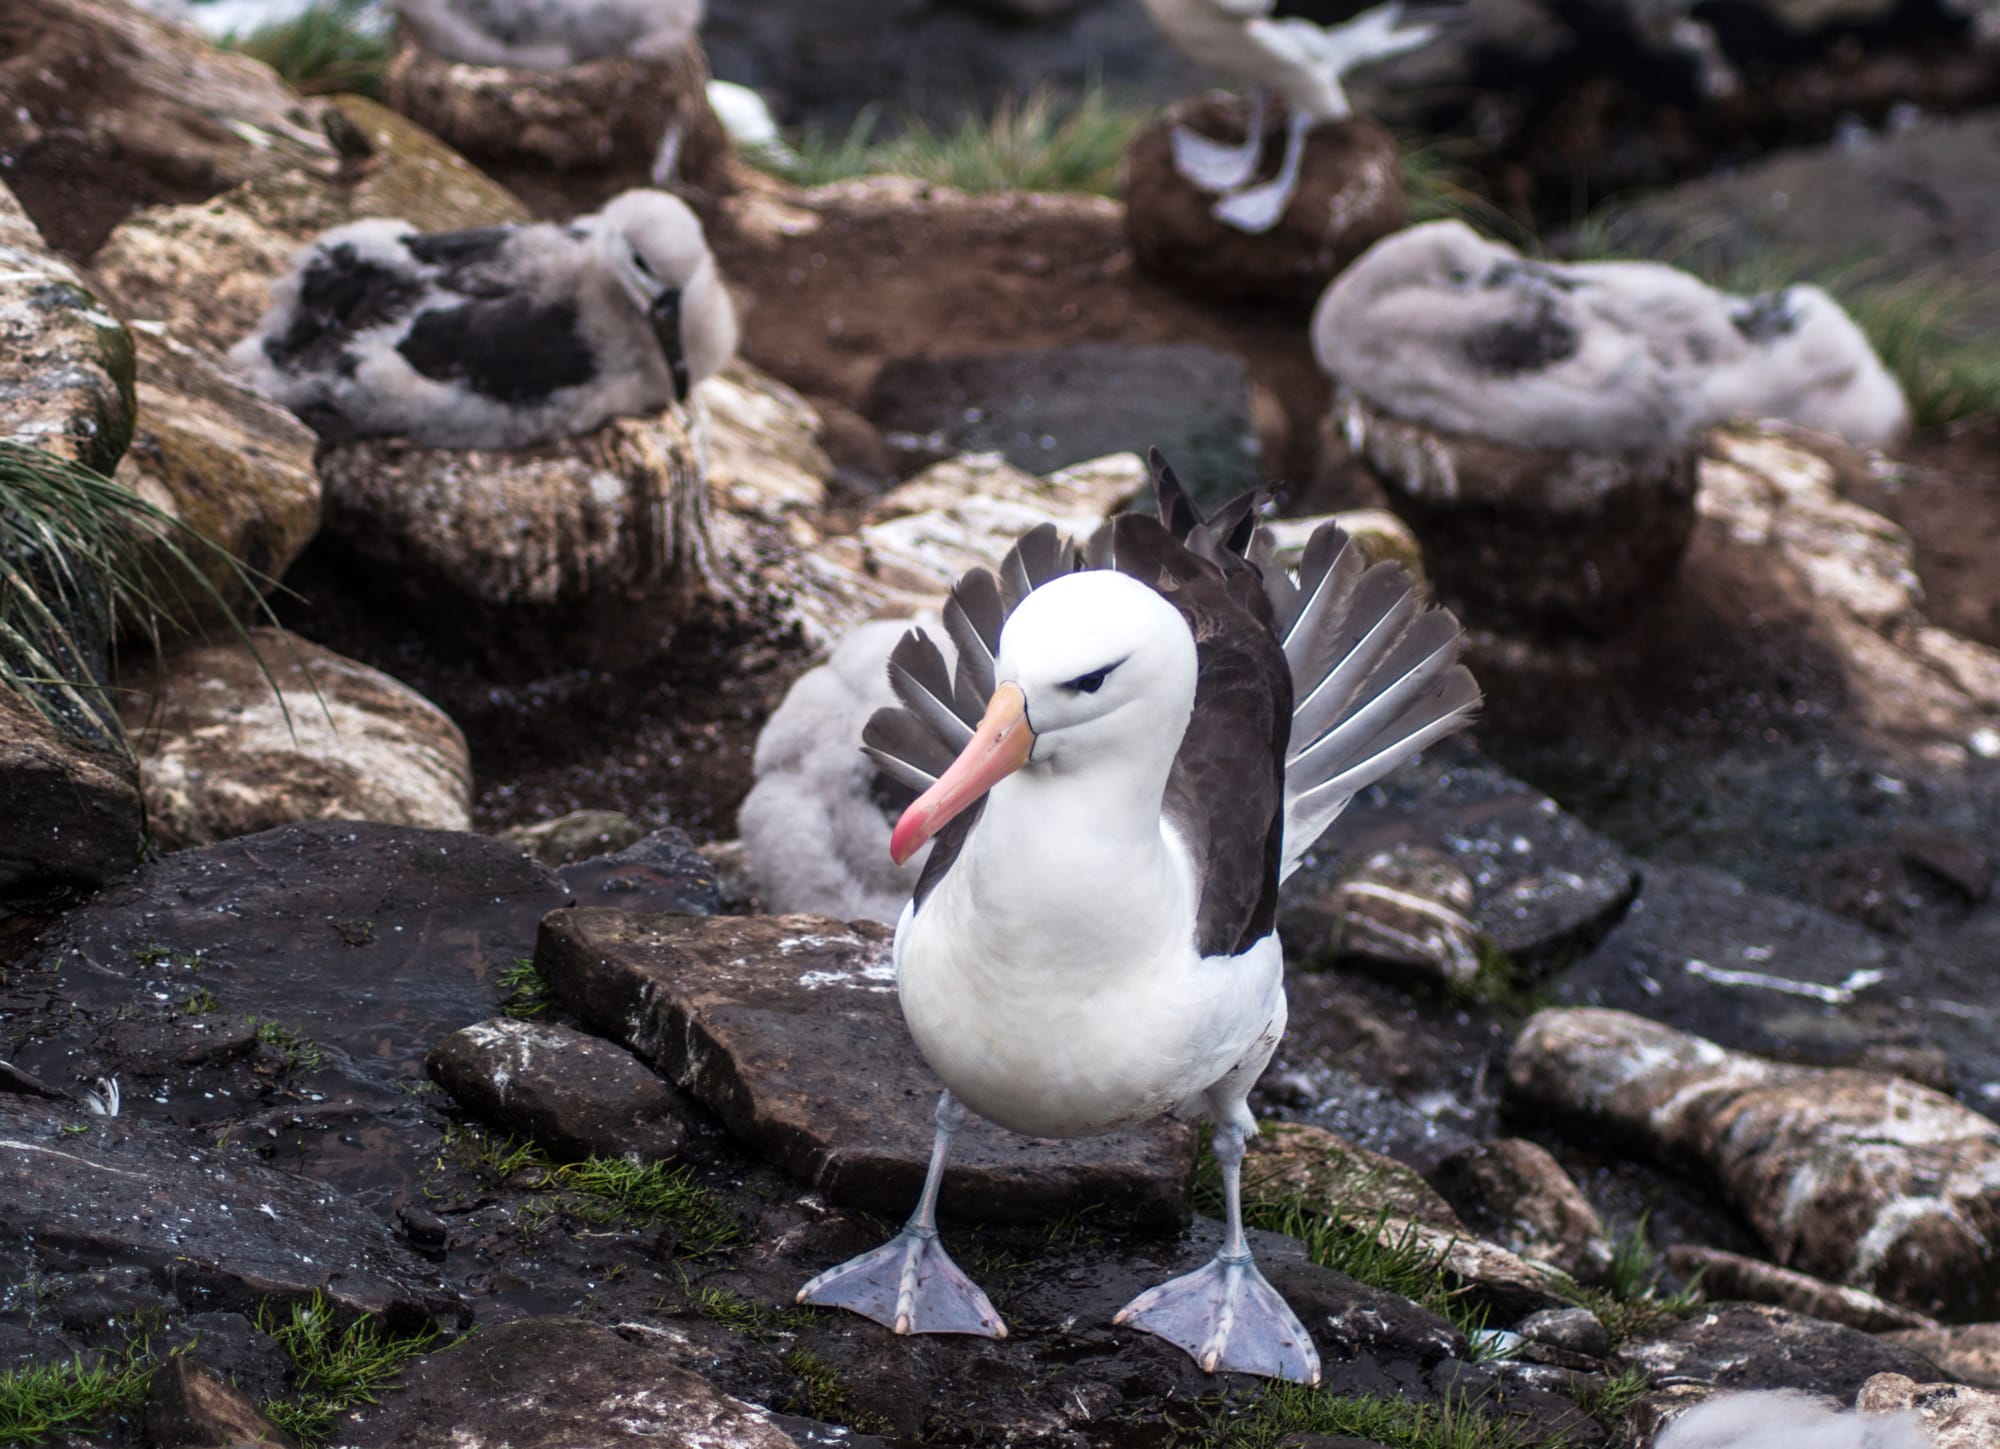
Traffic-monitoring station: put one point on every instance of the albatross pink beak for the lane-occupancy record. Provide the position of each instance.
(997, 749)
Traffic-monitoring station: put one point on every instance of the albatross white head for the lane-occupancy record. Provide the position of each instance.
(654, 248)
(1096, 678)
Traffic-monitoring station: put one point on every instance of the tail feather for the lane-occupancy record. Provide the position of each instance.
(921, 681)
(1424, 655)
(972, 617)
(1041, 554)
(904, 749)
(1332, 668)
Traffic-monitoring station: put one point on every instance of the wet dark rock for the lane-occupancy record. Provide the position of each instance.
(1048, 408)
(424, 1229)
(573, 1094)
(328, 953)
(72, 808)
(664, 871)
(1701, 951)
(1750, 1346)
(96, 1299)
(1545, 888)
(1864, 883)
(553, 1383)
(1866, 1180)
(188, 1407)
(1949, 856)
(1514, 1192)
(787, 1028)
(235, 1350)
(1544, 543)
(215, 1228)
(1575, 1329)
(1350, 195)
(1733, 1276)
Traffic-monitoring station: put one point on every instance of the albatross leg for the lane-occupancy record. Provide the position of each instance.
(910, 1283)
(1215, 166)
(1258, 208)
(1225, 1314)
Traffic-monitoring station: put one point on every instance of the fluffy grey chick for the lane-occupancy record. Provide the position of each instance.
(498, 337)
(1441, 326)
(816, 824)
(1786, 1420)
(549, 34)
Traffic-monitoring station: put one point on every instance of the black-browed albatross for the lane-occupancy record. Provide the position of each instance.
(1299, 49)
(1137, 746)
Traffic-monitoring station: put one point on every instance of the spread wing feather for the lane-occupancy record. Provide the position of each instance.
(1308, 689)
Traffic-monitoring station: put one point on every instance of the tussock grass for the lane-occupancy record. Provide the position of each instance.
(1044, 141)
(528, 991)
(1633, 1302)
(39, 1403)
(79, 553)
(335, 1368)
(332, 47)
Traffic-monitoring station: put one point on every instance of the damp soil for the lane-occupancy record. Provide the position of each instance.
(1946, 497)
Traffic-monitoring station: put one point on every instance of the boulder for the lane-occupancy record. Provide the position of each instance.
(225, 1230)
(1750, 1346)
(1051, 407)
(571, 137)
(112, 110)
(1350, 195)
(576, 836)
(787, 1028)
(1865, 1180)
(1967, 1351)
(1515, 1192)
(1325, 1174)
(188, 1407)
(1733, 1276)
(203, 267)
(572, 1094)
(1542, 541)
(1955, 1416)
(260, 731)
(73, 808)
(233, 468)
(66, 364)
(536, 551)
(663, 871)
(1406, 912)
(551, 1383)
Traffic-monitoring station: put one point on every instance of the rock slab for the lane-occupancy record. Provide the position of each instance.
(72, 809)
(575, 1095)
(1866, 1180)
(788, 1029)
(249, 734)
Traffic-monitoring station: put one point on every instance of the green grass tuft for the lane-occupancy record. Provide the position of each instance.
(1632, 1304)
(335, 1368)
(325, 49)
(1283, 1410)
(36, 1404)
(1044, 141)
(1608, 1402)
(297, 1054)
(74, 563)
(528, 991)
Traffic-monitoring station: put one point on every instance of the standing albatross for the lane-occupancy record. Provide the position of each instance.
(1137, 746)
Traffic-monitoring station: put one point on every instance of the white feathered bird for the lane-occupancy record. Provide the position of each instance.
(1438, 325)
(498, 337)
(1125, 763)
(1299, 50)
(1781, 1419)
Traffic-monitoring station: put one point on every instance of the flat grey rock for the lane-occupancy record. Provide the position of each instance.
(575, 1095)
(1751, 1346)
(217, 1228)
(1047, 408)
(558, 1383)
(788, 1029)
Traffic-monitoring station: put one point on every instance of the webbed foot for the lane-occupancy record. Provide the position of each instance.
(1230, 1320)
(910, 1285)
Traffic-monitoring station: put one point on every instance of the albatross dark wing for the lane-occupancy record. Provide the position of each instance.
(1226, 793)
(915, 742)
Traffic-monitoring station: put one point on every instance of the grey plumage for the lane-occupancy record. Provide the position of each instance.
(547, 34)
(1438, 325)
(1787, 1420)
(499, 337)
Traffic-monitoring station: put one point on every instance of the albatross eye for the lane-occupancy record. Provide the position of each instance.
(639, 261)
(1089, 683)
